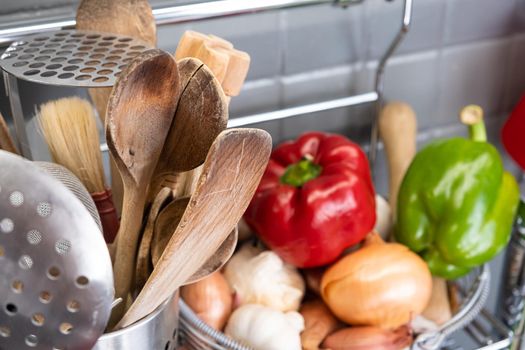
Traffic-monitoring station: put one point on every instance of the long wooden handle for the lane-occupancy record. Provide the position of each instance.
(398, 129)
(438, 309)
(229, 65)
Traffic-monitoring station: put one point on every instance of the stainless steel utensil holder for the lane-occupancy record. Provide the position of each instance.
(158, 331)
(64, 58)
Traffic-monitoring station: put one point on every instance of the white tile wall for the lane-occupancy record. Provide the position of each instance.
(515, 79)
(469, 20)
(321, 36)
(473, 73)
(457, 52)
(412, 78)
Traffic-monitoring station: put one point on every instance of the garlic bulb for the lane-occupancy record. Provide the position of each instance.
(263, 328)
(384, 220)
(261, 277)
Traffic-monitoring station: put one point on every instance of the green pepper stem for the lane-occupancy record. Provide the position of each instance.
(301, 172)
(472, 116)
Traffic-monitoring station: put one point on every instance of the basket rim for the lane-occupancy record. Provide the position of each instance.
(469, 308)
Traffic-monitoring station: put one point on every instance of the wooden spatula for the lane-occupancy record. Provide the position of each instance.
(140, 113)
(231, 173)
(167, 223)
(6, 142)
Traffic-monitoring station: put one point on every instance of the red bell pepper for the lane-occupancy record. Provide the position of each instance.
(316, 199)
(512, 134)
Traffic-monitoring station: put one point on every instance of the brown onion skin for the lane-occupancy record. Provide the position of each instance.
(369, 338)
(313, 278)
(318, 323)
(381, 284)
(211, 299)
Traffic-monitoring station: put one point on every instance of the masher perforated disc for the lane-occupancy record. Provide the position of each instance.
(71, 58)
(56, 285)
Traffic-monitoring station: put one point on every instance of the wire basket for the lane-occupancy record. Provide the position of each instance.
(475, 287)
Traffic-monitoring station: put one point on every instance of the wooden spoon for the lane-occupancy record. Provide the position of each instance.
(140, 113)
(6, 142)
(231, 173)
(230, 67)
(167, 223)
(126, 17)
(202, 113)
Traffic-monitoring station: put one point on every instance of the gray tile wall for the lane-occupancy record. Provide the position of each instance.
(457, 52)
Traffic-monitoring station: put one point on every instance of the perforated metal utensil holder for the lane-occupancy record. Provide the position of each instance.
(64, 58)
(158, 331)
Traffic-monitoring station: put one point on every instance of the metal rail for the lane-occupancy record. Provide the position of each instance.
(13, 31)
(380, 73)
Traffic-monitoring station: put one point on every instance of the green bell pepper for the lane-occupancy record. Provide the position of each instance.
(457, 204)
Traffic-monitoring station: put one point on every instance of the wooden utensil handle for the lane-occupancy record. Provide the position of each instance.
(230, 66)
(398, 129)
(438, 309)
(127, 243)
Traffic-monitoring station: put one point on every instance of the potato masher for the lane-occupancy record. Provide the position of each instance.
(56, 288)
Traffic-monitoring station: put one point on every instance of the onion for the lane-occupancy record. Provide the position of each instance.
(369, 338)
(382, 284)
(211, 299)
(318, 323)
(312, 278)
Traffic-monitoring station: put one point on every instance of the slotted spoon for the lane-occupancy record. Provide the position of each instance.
(57, 283)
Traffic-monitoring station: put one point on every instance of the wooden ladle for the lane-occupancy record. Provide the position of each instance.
(140, 113)
(126, 17)
(231, 173)
(167, 223)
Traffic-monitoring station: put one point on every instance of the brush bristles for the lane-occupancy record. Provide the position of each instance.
(70, 129)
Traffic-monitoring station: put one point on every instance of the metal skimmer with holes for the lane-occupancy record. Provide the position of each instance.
(72, 58)
(56, 288)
